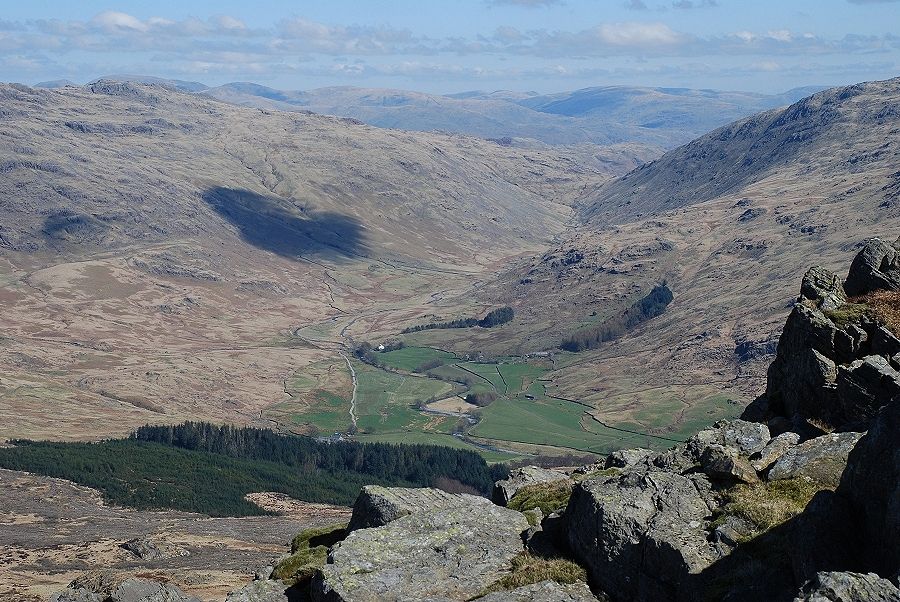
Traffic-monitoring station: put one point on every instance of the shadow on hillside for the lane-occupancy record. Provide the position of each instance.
(274, 224)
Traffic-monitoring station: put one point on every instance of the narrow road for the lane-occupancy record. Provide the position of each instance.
(353, 397)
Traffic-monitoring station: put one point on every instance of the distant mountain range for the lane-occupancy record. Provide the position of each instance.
(659, 117)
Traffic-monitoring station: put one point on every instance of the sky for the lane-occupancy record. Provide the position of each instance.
(457, 45)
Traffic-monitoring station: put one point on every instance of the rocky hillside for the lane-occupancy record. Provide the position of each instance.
(781, 509)
(726, 220)
(117, 164)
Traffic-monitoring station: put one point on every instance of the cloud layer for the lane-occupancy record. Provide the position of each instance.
(224, 47)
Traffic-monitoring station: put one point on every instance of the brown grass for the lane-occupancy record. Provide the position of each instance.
(528, 569)
(767, 505)
(886, 308)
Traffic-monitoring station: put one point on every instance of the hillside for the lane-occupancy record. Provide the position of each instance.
(158, 249)
(725, 220)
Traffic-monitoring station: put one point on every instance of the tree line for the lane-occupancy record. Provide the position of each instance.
(208, 468)
(495, 317)
(649, 306)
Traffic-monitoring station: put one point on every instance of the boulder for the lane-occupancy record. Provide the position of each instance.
(544, 591)
(876, 267)
(146, 548)
(722, 463)
(848, 587)
(885, 342)
(821, 459)
(624, 458)
(521, 477)
(744, 437)
(864, 387)
(449, 553)
(800, 379)
(107, 586)
(773, 450)
(871, 485)
(824, 288)
(260, 590)
(642, 535)
(377, 505)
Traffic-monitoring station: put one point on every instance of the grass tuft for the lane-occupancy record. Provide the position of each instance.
(767, 505)
(549, 497)
(528, 569)
(849, 313)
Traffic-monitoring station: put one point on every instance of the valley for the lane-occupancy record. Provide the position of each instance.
(141, 292)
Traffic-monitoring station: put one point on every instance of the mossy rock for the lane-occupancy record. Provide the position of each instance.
(549, 497)
(309, 551)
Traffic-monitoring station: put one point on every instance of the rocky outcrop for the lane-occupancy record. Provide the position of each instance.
(871, 487)
(262, 589)
(544, 591)
(722, 463)
(773, 450)
(821, 459)
(106, 586)
(376, 505)
(148, 549)
(824, 288)
(452, 553)
(876, 267)
(833, 365)
(624, 458)
(848, 587)
(522, 477)
(642, 534)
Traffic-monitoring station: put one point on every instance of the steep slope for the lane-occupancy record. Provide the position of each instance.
(725, 220)
(159, 249)
(118, 163)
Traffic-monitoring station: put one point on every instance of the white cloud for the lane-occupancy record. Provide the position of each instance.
(112, 21)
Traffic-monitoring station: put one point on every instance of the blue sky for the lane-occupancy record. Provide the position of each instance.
(450, 46)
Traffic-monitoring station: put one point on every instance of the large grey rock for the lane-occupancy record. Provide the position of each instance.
(824, 288)
(801, 378)
(522, 477)
(146, 548)
(260, 590)
(624, 458)
(744, 437)
(544, 591)
(871, 484)
(864, 387)
(377, 505)
(642, 535)
(773, 450)
(821, 459)
(848, 587)
(722, 463)
(877, 266)
(452, 553)
(107, 586)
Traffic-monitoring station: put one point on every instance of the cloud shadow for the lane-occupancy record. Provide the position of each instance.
(274, 224)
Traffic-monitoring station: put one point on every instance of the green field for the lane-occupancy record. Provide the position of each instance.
(523, 413)
(410, 358)
(385, 402)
